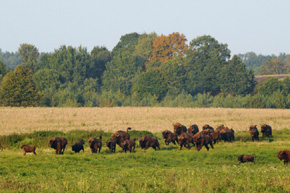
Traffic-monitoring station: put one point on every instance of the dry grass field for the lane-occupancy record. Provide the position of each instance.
(154, 119)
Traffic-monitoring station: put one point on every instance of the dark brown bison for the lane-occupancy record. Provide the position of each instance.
(185, 139)
(201, 139)
(120, 136)
(129, 144)
(193, 129)
(111, 144)
(254, 132)
(284, 155)
(58, 143)
(247, 158)
(220, 128)
(77, 147)
(179, 128)
(29, 149)
(227, 134)
(266, 130)
(96, 144)
(169, 137)
(146, 142)
(206, 126)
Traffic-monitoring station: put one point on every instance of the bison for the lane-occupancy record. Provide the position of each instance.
(29, 149)
(284, 155)
(193, 129)
(58, 143)
(247, 158)
(169, 137)
(111, 144)
(146, 142)
(129, 144)
(227, 134)
(254, 132)
(216, 136)
(201, 139)
(185, 139)
(179, 128)
(206, 126)
(96, 144)
(77, 147)
(266, 130)
(120, 136)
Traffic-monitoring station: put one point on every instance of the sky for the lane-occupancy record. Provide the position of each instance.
(261, 26)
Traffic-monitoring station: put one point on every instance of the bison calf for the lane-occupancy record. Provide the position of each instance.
(29, 149)
(111, 144)
(254, 132)
(247, 158)
(284, 155)
(77, 147)
(129, 144)
(96, 144)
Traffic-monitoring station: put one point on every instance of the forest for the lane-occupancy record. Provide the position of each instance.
(144, 70)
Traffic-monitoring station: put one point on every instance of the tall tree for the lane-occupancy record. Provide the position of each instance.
(19, 89)
(167, 47)
(235, 78)
(29, 55)
(204, 61)
(274, 66)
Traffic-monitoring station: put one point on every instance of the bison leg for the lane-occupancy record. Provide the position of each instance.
(211, 145)
(34, 152)
(206, 146)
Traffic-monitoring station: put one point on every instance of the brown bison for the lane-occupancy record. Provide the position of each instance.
(284, 155)
(111, 144)
(193, 129)
(96, 144)
(129, 144)
(201, 139)
(179, 128)
(220, 128)
(247, 158)
(146, 142)
(206, 126)
(77, 147)
(169, 137)
(216, 136)
(266, 130)
(185, 139)
(29, 149)
(254, 132)
(227, 134)
(58, 143)
(120, 136)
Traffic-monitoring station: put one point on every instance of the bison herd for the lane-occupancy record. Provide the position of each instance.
(182, 136)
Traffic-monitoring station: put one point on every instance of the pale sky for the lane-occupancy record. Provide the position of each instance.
(262, 26)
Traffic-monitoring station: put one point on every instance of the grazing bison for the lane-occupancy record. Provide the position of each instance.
(111, 144)
(169, 137)
(29, 149)
(284, 155)
(58, 143)
(77, 147)
(96, 144)
(193, 129)
(201, 139)
(247, 158)
(120, 136)
(185, 139)
(254, 132)
(266, 130)
(179, 128)
(129, 144)
(206, 126)
(146, 142)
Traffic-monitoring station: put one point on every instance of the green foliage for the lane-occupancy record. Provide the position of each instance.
(29, 55)
(19, 89)
(271, 85)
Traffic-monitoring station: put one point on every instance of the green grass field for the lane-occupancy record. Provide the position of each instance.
(166, 170)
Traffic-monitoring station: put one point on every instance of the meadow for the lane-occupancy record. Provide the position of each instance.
(166, 170)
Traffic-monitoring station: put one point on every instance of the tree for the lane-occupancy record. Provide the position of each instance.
(270, 86)
(205, 59)
(29, 55)
(274, 66)
(167, 47)
(236, 79)
(150, 83)
(19, 89)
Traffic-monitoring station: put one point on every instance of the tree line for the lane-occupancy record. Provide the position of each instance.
(141, 70)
